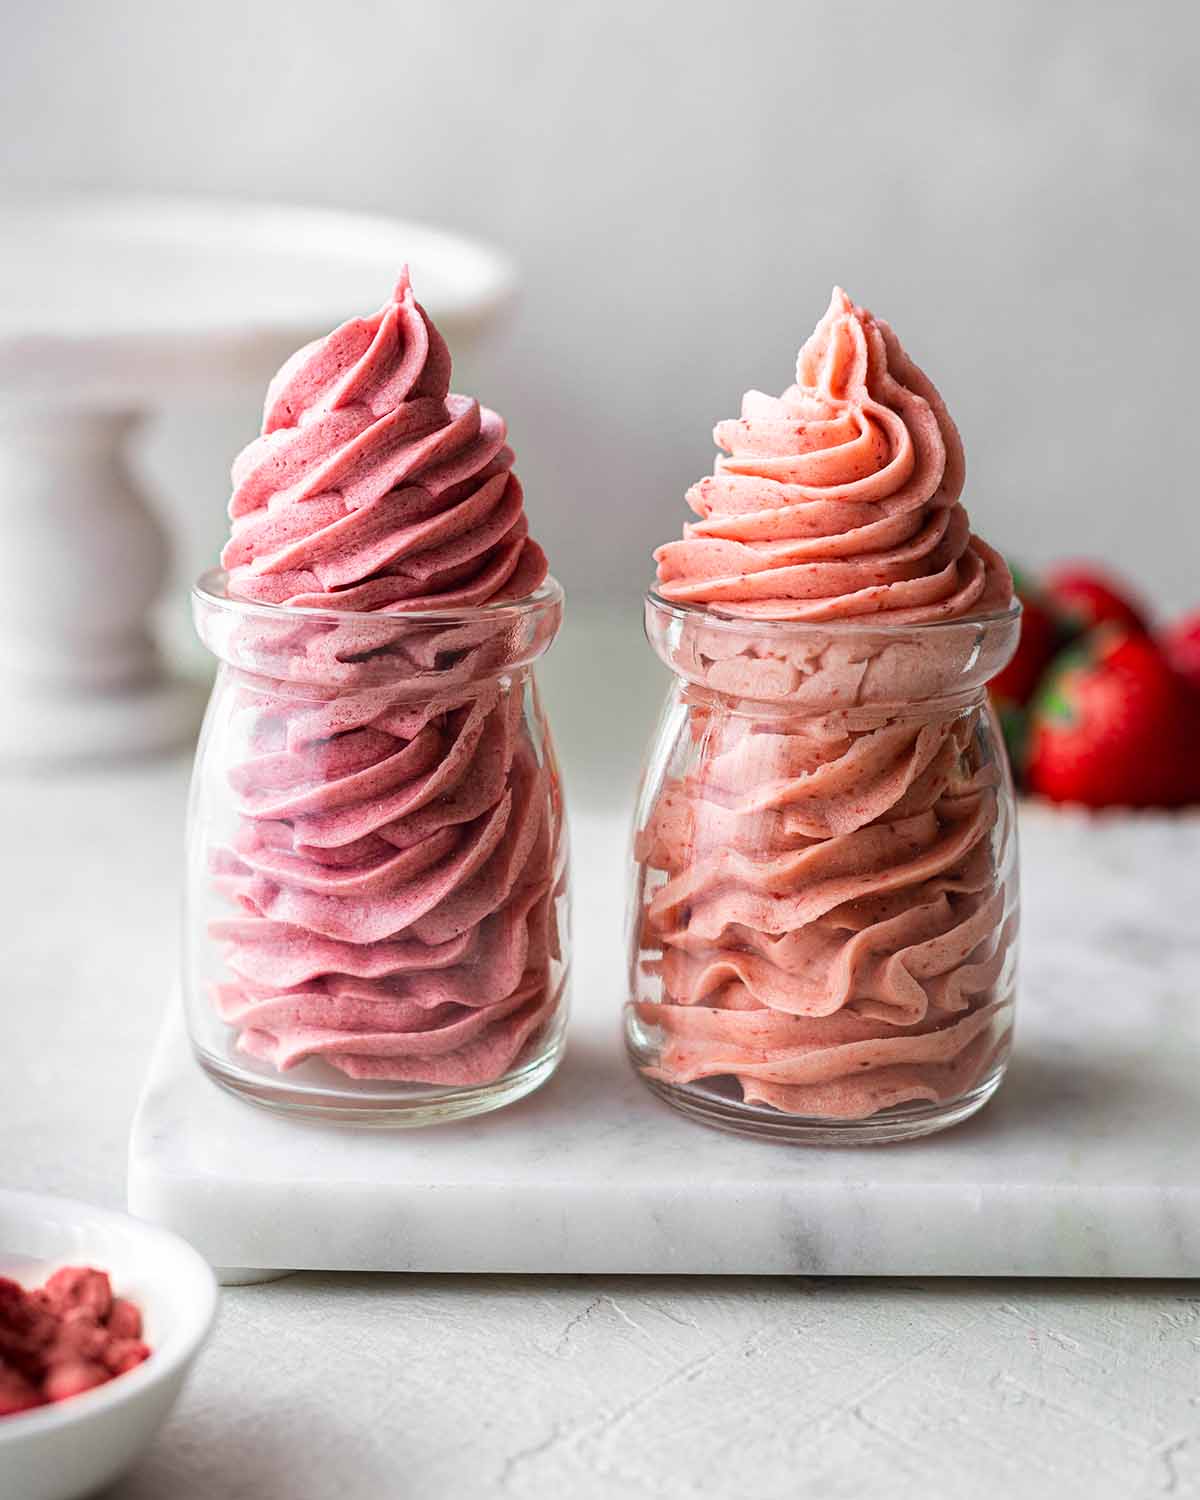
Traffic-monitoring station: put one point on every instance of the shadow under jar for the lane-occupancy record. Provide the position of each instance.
(376, 924)
(823, 920)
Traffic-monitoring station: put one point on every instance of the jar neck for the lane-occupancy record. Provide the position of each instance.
(415, 655)
(820, 667)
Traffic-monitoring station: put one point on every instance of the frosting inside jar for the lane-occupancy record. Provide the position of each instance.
(829, 917)
(397, 856)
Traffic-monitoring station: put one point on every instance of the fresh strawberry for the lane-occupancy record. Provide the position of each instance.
(1084, 596)
(1182, 645)
(1115, 726)
(1018, 681)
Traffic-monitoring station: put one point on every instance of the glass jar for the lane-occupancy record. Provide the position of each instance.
(823, 916)
(376, 924)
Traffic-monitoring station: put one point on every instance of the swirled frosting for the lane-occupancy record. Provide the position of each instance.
(371, 487)
(830, 917)
(396, 859)
(839, 498)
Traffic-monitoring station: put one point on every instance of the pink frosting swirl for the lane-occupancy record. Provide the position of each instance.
(397, 858)
(397, 884)
(839, 498)
(830, 913)
(835, 928)
(371, 487)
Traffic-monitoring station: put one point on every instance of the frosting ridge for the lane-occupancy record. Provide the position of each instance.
(839, 498)
(371, 487)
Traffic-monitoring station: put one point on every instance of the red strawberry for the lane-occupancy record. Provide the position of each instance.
(1115, 726)
(1017, 682)
(1085, 596)
(1182, 645)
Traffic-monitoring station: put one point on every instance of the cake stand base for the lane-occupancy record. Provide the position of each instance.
(40, 731)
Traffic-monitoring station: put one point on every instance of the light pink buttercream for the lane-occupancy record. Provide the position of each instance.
(829, 921)
(838, 499)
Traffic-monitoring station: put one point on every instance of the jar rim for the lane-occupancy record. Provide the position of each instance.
(873, 625)
(211, 591)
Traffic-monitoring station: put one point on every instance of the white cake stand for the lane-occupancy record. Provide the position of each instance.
(108, 308)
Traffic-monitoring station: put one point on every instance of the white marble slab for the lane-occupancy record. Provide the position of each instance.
(1086, 1163)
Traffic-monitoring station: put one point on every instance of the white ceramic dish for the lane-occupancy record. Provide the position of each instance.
(76, 1447)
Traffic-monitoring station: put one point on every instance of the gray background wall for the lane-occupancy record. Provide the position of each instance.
(1013, 186)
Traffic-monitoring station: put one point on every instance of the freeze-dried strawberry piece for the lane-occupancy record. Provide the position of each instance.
(125, 1320)
(121, 1355)
(73, 1378)
(80, 1286)
(27, 1328)
(64, 1338)
(16, 1393)
(80, 1336)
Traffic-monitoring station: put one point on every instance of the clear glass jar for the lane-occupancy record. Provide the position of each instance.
(376, 925)
(823, 916)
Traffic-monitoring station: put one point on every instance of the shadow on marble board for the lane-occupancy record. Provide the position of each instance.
(1074, 1095)
(593, 1074)
(1058, 1087)
(1081, 1098)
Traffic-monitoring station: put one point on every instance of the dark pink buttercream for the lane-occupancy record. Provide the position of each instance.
(396, 856)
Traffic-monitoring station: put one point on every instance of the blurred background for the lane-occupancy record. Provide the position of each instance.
(679, 184)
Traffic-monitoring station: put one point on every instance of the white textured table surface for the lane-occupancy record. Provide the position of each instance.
(671, 1389)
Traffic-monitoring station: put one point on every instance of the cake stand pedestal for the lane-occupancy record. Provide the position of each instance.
(82, 556)
(109, 308)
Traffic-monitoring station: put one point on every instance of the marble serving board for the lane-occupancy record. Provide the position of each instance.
(1087, 1162)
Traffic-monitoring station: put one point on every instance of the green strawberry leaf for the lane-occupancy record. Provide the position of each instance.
(1054, 704)
(1055, 698)
(1014, 726)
